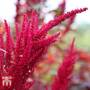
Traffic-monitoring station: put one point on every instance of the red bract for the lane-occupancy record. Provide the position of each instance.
(18, 59)
(65, 70)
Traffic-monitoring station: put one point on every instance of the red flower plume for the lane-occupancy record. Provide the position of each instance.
(18, 59)
(65, 70)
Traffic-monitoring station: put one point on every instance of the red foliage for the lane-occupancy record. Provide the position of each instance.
(64, 73)
(18, 59)
(26, 7)
(84, 56)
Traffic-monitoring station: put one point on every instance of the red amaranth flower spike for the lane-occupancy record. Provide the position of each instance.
(65, 70)
(9, 44)
(21, 59)
(47, 41)
(1, 50)
(17, 30)
(34, 20)
(45, 28)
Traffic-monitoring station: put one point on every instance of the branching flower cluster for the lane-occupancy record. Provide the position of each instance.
(19, 58)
